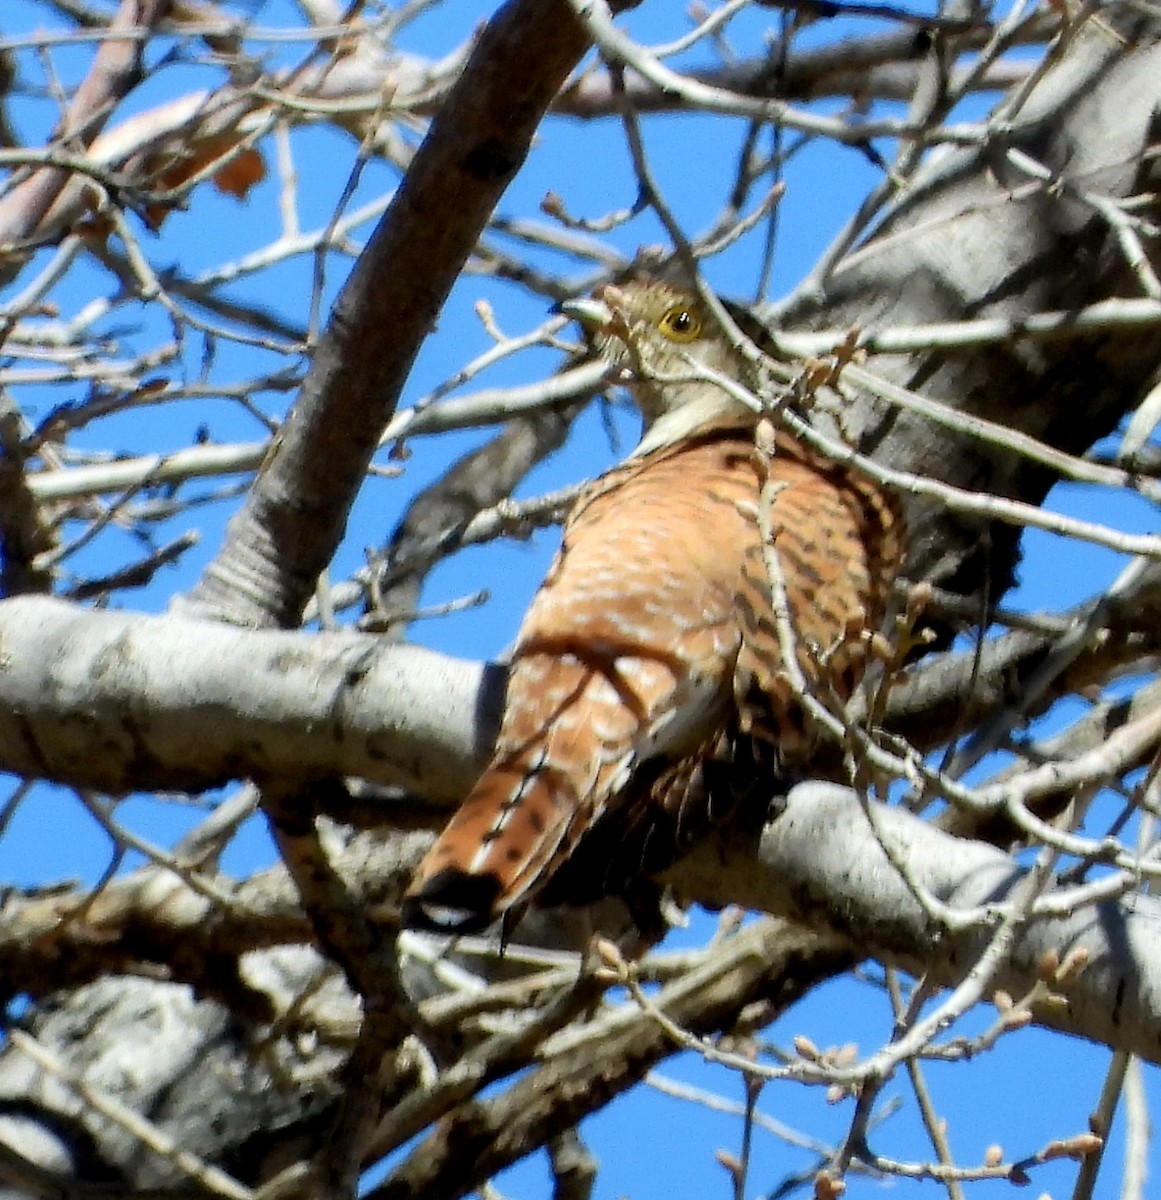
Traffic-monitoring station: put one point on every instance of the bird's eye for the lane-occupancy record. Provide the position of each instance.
(680, 324)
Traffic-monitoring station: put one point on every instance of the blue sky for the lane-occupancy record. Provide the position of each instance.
(1035, 1085)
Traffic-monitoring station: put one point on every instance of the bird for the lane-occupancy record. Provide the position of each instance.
(648, 690)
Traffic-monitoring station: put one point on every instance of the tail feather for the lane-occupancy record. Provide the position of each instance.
(511, 830)
(452, 901)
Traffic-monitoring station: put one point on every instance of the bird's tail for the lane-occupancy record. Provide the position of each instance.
(507, 837)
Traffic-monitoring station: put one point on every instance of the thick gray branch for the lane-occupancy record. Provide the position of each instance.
(980, 235)
(120, 702)
(834, 863)
(820, 862)
(287, 532)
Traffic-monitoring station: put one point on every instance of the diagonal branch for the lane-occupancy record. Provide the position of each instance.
(282, 539)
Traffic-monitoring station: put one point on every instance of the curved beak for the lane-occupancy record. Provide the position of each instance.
(591, 314)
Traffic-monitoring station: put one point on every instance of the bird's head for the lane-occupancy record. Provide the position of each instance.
(671, 349)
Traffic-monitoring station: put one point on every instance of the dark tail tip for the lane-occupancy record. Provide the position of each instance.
(453, 902)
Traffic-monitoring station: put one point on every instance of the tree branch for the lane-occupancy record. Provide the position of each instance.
(278, 544)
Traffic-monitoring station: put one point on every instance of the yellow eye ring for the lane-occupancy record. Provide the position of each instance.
(680, 324)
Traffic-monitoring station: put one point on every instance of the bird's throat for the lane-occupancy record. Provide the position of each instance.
(709, 405)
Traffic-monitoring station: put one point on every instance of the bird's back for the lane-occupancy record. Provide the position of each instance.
(649, 652)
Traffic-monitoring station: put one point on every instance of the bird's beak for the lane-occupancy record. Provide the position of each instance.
(592, 315)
